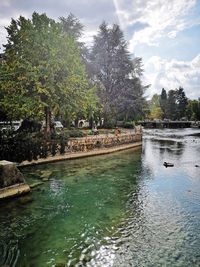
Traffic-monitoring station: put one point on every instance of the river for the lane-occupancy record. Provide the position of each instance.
(123, 209)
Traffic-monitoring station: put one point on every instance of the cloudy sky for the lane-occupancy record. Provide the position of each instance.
(165, 33)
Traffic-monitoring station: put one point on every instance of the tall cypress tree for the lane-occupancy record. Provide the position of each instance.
(181, 103)
(163, 102)
(171, 107)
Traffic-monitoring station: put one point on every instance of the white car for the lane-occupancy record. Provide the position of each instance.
(16, 125)
(13, 125)
(58, 125)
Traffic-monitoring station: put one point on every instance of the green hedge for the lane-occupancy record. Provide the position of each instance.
(17, 147)
(129, 124)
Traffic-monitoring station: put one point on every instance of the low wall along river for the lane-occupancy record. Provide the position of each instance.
(102, 141)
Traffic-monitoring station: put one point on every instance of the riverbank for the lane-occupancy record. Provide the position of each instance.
(80, 154)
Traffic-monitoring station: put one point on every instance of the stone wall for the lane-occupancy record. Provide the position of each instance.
(12, 182)
(102, 141)
(9, 174)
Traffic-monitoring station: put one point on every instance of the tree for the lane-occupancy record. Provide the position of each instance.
(42, 70)
(171, 107)
(181, 102)
(193, 110)
(119, 87)
(156, 113)
(72, 26)
(163, 101)
(155, 109)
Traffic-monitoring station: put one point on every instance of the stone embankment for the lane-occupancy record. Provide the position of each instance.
(12, 182)
(94, 145)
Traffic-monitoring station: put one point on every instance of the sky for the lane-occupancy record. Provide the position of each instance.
(164, 33)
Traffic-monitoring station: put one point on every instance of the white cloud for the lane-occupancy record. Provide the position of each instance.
(171, 74)
(91, 13)
(163, 18)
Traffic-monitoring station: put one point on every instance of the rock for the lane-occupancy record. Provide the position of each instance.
(36, 184)
(12, 182)
(196, 165)
(45, 175)
(9, 174)
(25, 200)
(45, 179)
(14, 190)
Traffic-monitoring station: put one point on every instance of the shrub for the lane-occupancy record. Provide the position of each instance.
(62, 146)
(54, 148)
(128, 124)
(75, 133)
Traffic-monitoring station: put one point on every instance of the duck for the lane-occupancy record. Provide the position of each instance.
(167, 164)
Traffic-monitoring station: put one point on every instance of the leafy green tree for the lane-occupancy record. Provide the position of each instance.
(171, 107)
(72, 26)
(181, 102)
(163, 101)
(42, 71)
(156, 113)
(193, 110)
(154, 107)
(176, 104)
(119, 88)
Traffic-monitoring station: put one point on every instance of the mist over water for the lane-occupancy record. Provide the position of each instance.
(123, 209)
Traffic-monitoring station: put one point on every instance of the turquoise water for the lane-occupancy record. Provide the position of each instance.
(122, 209)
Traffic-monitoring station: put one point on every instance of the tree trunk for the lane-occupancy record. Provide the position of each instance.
(91, 120)
(47, 121)
(76, 122)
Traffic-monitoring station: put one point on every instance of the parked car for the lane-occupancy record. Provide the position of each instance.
(58, 125)
(4, 125)
(16, 125)
(13, 125)
(83, 123)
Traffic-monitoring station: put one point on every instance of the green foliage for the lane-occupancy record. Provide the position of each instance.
(53, 148)
(129, 125)
(42, 70)
(21, 146)
(74, 133)
(155, 109)
(193, 110)
(62, 146)
(163, 102)
(119, 86)
(72, 26)
(171, 105)
(176, 104)
(156, 113)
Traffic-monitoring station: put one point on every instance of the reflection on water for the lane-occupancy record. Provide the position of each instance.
(124, 209)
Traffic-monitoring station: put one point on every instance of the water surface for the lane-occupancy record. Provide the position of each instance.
(123, 209)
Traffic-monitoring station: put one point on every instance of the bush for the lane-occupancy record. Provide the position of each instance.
(62, 146)
(110, 125)
(129, 124)
(43, 149)
(54, 148)
(22, 146)
(74, 133)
